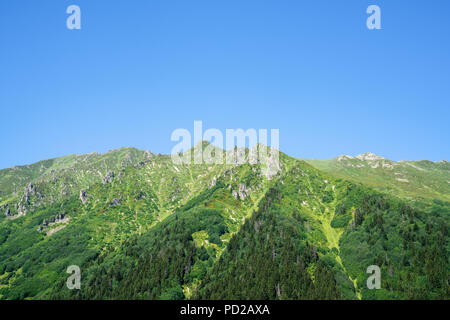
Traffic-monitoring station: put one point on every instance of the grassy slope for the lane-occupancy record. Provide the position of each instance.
(66, 175)
(412, 180)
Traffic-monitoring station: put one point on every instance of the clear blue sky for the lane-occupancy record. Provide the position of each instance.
(137, 70)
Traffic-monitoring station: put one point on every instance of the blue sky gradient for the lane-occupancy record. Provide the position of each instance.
(137, 70)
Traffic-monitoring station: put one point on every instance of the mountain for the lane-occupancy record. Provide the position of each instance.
(412, 180)
(141, 227)
(61, 177)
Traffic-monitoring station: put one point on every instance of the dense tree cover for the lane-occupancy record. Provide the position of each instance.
(269, 255)
(411, 246)
(25, 251)
(269, 258)
(155, 265)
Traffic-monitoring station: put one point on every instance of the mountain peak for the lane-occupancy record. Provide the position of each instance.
(369, 156)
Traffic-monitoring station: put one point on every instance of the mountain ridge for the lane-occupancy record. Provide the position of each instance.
(142, 227)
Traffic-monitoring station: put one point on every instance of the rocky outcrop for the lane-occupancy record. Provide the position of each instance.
(21, 209)
(108, 178)
(83, 196)
(23, 206)
(242, 192)
(115, 202)
(213, 183)
(59, 218)
(369, 156)
(30, 189)
(272, 166)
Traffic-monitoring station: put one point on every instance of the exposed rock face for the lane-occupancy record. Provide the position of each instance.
(30, 189)
(56, 219)
(21, 209)
(25, 202)
(272, 166)
(213, 183)
(243, 191)
(59, 218)
(83, 196)
(108, 178)
(344, 157)
(115, 202)
(369, 156)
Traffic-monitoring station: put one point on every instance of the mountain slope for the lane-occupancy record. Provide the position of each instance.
(151, 229)
(25, 187)
(412, 180)
(128, 203)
